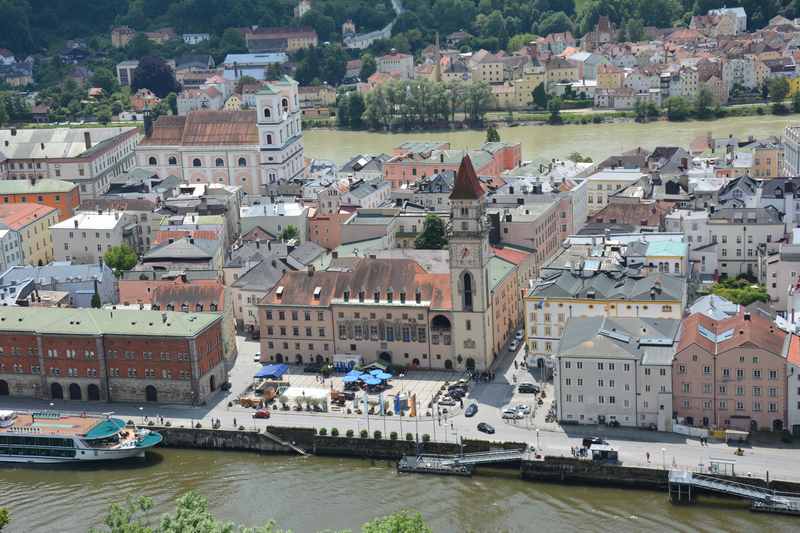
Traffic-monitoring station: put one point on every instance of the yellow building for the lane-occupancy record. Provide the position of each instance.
(766, 160)
(794, 85)
(32, 222)
(233, 103)
(609, 77)
(560, 70)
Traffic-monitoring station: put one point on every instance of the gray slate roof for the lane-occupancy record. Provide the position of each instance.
(652, 341)
(610, 286)
(263, 276)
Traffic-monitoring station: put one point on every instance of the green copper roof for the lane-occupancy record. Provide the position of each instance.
(67, 321)
(106, 428)
(40, 187)
(498, 270)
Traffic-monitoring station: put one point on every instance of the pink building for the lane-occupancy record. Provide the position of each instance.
(730, 373)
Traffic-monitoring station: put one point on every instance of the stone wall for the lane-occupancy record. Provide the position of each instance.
(569, 470)
(216, 439)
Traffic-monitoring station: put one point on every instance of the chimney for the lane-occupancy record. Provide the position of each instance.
(87, 139)
(75, 222)
(13, 132)
(334, 255)
(747, 317)
(310, 270)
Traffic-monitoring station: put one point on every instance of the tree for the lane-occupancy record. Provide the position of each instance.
(245, 80)
(103, 115)
(796, 102)
(274, 71)
(402, 522)
(121, 258)
(778, 89)
(492, 135)
(139, 46)
(634, 30)
(356, 108)
(368, 67)
(519, 40)
(740, 291)
(96, 302)
(540, 96)
(172, 102)
(289, 232)
(554, 23)
(703, 103)
(5, 517)
(154, 74)
(554, 107)
(677, 108)
(433, 234)
(105, 79)
(477, 99)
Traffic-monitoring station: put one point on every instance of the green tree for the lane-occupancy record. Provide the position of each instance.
(492, 135)
(289, 232)
(740, 291)
(154, 74)
(796, 102)
(540, 96)
(433, 234)
(634, 30)
(121, 258)
(677, 108)
(172, 102)
(356, 108)
(519, 40)
(105, 79)
(96, 302)
(703, 103)
(554, 108)
(477, 100)
(778, 89)
(104, 115)
(368, 67)
(402, 522)
(5, 517)
(343, 110)
(140, 46)
(554, 23)
(245, 80)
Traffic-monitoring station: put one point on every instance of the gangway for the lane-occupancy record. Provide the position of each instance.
(682, 483)
(461, 465)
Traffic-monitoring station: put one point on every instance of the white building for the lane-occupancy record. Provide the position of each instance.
(397, 63)
(743, 236)
(367, 193)
(603, 184)
(274, 217)
(791, 151)
(252, 149)
(202, 98)
(195, 38)
(125, 71)
(88, 157)
(10, 249)
(87, 236)
(616, 370)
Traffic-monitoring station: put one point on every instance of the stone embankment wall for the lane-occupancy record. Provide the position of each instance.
(220, 439)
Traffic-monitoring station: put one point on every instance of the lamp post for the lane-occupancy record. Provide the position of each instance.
(416, 419)
(537, 439)
(664, 458)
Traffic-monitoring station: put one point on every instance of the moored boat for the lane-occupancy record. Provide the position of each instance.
(52, 437)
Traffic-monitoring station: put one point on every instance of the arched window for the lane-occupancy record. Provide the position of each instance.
(242, 162)
(219, 162)
(269, 138)
(195, 162)
(285, 104)
(172, 160)
(152, 161)
(467, 291)
(267, 112)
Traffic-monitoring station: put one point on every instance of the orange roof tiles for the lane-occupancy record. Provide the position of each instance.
(467, 186)
(163, 236)
(756, 331)
(512, 256)
(204, 127)
(17, 216)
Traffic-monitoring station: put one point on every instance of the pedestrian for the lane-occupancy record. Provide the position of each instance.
(647, 454)
(515, 365)
(234, 422)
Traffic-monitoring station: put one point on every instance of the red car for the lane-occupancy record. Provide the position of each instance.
(261, 413)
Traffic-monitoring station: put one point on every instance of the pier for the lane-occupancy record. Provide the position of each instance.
(684, 485)
(456, 465)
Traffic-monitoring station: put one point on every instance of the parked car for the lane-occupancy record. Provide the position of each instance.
(261, 413)
(528, 388)
(483, 427)
(524, 409)
(225, 386)
(513, 346)
(588, 441)
(447, 401)
(257, 357)
(519, 335)
(471, 410)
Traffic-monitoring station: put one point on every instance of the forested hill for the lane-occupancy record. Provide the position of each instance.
(36, 25)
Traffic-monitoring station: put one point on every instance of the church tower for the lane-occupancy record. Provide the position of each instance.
(468, 239)
(280, 132)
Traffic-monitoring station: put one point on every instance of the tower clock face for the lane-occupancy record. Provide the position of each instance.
(467, 256)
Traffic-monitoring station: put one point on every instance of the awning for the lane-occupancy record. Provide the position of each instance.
(370, 380)
(350, 379)
(272, 371)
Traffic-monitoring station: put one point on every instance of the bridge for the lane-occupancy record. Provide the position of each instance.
(682, 483)
(460, 465)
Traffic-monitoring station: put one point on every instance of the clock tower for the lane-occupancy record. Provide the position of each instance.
(468, 240)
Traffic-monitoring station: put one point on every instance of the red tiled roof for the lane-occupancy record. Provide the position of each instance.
(205, 127)
(163, 236)
(17, 216)
(512, 256)
(793, 355)
(756, 331)
(467, 185)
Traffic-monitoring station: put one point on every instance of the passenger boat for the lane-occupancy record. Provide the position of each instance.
(52, 437)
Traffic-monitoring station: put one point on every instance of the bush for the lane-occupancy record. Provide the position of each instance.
(349, 433)
(364, 434)
(334, 432)
(597, 119)
(426, 437)
(409, 437)
(349, 411)
(760, 110)
(378, 435)
(167, 423)
(393, 435)
(130, 422)
(230, 404)
(151, 423)
(322, 432)
(241, 428)
(198, 425)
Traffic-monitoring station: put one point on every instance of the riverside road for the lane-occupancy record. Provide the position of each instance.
(636, 447)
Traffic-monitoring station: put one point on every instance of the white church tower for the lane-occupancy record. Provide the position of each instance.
(469, 258)
(280, 132)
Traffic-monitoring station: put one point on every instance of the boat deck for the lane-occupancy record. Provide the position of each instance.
(52, 424)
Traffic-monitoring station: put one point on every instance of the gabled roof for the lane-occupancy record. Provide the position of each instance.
(467, 185)
(718, 336)
(205, 127)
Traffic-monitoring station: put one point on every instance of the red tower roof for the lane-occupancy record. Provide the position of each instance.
(467, 185)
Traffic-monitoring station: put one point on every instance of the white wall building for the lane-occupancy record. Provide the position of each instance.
(87, 236)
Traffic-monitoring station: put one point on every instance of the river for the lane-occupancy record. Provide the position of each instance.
(312, 494)
(595, 140)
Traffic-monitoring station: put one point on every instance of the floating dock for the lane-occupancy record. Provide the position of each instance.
(683, 486)
(455, 465)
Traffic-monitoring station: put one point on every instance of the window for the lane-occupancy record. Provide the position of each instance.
(707, 370)
(172, 160)
(219, 162)
(267, 112)
(196, 162)
(242, 162)
(152, 161)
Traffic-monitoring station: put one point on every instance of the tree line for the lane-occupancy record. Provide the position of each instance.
(415, 104)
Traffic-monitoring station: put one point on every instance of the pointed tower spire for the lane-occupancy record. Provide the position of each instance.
(467, 186)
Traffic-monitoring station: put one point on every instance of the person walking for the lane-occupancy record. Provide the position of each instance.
(647, 454)
(234, 422)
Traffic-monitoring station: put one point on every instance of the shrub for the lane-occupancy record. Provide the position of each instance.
(230, 404)
(393, 435)
(378, 435)
(167, 424)
(349, 433)
(334, 432)
(409, 437)
(151, 423)
(322, 432)
(241, 428)
(130, 422)
(760, 110)
(198, 425)
(426, 437)
(597, 119)
(364, 434)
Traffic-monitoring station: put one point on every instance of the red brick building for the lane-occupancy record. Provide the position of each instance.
(110, 355)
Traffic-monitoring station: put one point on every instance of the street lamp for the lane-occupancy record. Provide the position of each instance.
(664, 458)
(537, 439)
